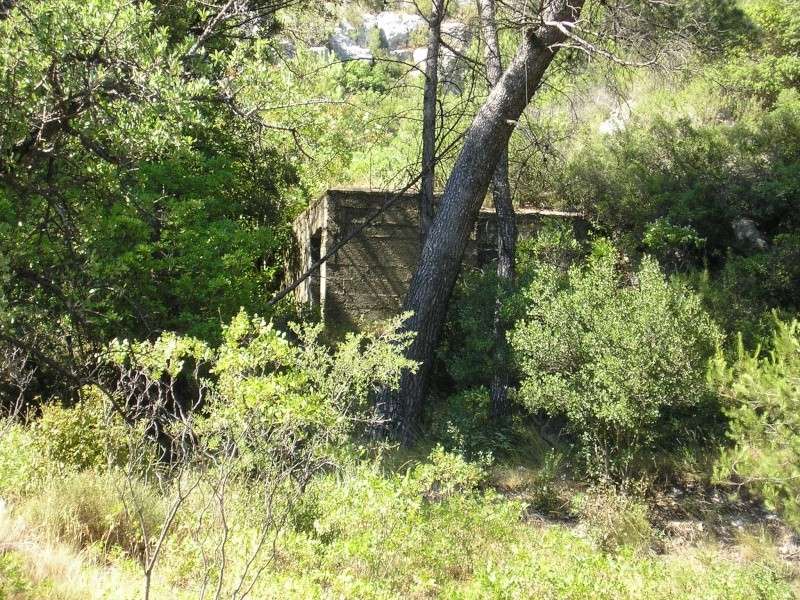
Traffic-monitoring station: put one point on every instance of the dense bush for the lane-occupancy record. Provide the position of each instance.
(468, 351)
(22, 467)
(750, 287)
(82, 436)
(461, 422)
(156, 206)
(776, 66)
(698, 174)
(260, 403)
(762, 390)
(614, 353)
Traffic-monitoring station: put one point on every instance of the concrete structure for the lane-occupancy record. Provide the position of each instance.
(368, 277)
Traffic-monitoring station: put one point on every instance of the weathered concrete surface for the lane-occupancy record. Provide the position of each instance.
(368, 277)
(306, 227)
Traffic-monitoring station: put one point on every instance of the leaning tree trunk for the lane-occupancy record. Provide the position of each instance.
(506, 222)
(429, 117)
(487, 137)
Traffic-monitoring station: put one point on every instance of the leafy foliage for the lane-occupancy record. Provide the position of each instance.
(85, 435)
(762, 390)
(461, 423)
(279, 401)
(614, 353)
(133, 196)
(698, 177)
(468, 350)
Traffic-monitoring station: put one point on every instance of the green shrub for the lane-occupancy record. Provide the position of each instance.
(22, 468)
(461, 423)
(13, 583)
(83, 436)
(762, 391)
(750, 287)
(675, 247)
(468, 349)
(614, 353)
(665, 184)
(446, 474)
(280, 401)
(553, 246)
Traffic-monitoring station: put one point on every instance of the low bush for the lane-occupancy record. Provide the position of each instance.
(750, 287)
(468, 351)
(461, 423)
(446, 474)
(22, 468)
(615, 519)
(762, 393)
(614, 353)
(13, 583)
(82, 436)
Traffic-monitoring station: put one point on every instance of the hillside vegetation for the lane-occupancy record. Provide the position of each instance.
(167, 431)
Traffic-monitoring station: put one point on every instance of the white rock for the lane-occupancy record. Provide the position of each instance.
(456, 34)
(396, 27)
(346, 49)
(746, 232)
(319, 51)
(403, 54)
(617, 121)
(287, 48)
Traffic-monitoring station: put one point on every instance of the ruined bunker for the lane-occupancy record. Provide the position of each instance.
(368, 277)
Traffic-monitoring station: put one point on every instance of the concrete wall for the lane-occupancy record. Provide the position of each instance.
(368, 277)
(311, 222)
(529, 222)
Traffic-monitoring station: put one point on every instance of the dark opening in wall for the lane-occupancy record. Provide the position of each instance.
(315, 281)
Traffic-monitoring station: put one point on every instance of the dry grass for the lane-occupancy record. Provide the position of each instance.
(52, 570)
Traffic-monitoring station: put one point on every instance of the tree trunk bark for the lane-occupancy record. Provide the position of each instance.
(426, 211)
(5, 8)
(487, 137)
(506, 223)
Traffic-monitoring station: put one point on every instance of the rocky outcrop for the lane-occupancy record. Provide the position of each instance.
(396, 34)
(395, 27)
(747, 234)
(344, 43)
(346, 49)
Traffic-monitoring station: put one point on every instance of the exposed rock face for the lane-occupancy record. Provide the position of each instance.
(456, 37)
(344, 46)
(287, 48)
(419, 56)
(349, 42)
(404, 54)
(319, 51)
(617, 121)
(747, 234)
(396, 28)
(456, 34)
